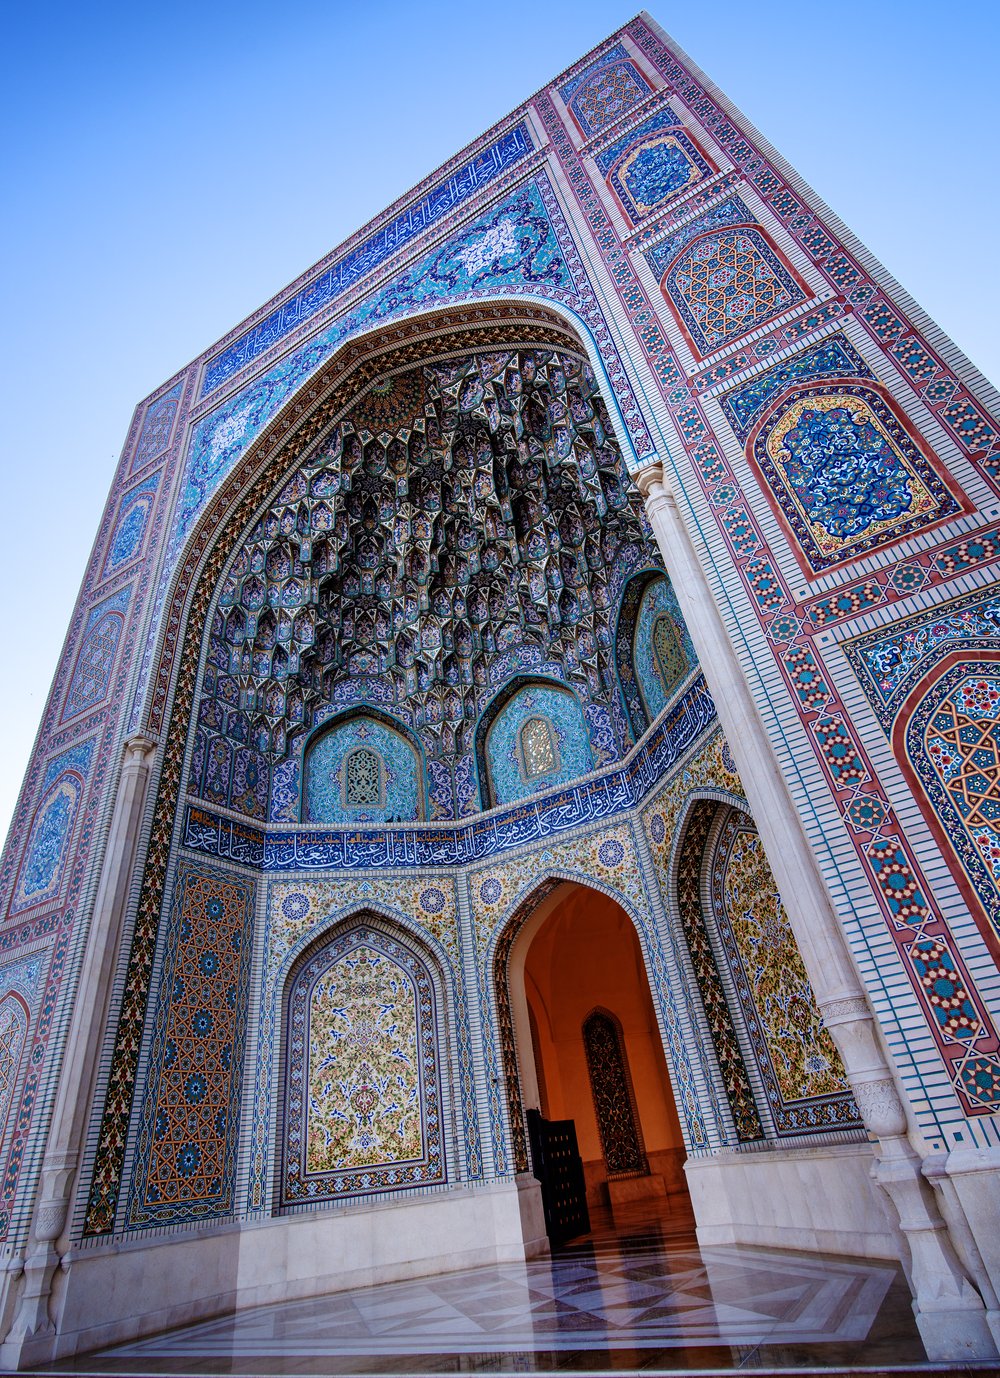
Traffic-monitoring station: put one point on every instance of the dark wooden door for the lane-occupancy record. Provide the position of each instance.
(558, 1166)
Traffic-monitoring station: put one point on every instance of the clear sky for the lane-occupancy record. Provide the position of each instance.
(168, 168)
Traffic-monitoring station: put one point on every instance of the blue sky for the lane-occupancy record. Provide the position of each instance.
(167, 169)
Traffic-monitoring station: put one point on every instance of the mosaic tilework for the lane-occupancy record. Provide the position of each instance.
(690, 864)
(157, 425)
(483, 562)
(297, 913)
(603, 796)
(952, 741)
(131, 524)
(513, 773)
(662, 649)
(651, 164)
(502, 896)
(834, 357)
(290, 853)
(487, 165)
(604, 91)
(95, 659)
(20, 990)
(846, 474)
(13, 1035)
(891, 661)
(801, 1069)
(362, 1091)
(512, 245)
(185, 1158)
(731, 211)
(726, 284)
(43, 864)
(327, 798)
(614, 1101)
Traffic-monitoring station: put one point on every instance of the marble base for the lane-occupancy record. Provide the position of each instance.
(124, 1291)
(819, 1199)
(625, 1190)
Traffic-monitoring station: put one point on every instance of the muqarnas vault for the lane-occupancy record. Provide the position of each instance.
(547, 659)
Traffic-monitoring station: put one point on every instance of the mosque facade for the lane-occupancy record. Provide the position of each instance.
(543, 666)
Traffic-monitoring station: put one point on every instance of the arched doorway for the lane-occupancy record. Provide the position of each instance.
(589, 1050)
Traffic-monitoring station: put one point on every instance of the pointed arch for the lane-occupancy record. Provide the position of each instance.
(780, 1069)
(946, 739)
(363, 765)
(361, 1096)
(614, 1095)
(505, 960)
(558, 749)
(650, 667)
(725, 283)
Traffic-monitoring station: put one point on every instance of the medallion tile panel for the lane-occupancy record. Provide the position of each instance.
(846, 475)
(362, 1096)
(131, 524)
(651, 164)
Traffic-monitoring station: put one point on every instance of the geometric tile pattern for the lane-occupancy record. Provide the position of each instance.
(612, 1299)
(96, 657)
(952, 742)
(20, 989)
(725, 285)
(604, 91)
(362, 1096)
(185, 1158)
(891, 661)
(156, 427)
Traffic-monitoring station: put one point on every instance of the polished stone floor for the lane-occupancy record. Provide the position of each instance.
(635, 1294)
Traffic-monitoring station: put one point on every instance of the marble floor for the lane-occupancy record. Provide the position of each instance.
(635, 1294)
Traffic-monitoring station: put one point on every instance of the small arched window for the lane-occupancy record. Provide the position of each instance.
(538, 748)
(363, 777)
(668, 652)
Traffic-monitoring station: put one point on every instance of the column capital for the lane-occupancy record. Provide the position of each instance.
(138, 746)
(649, 478)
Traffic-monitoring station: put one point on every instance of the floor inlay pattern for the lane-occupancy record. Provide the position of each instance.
(730, 1296)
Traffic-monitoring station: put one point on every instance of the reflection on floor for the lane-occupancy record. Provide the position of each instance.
(636, 1293)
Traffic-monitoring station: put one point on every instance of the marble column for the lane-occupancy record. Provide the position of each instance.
(32, 1337)
(949, 1310)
